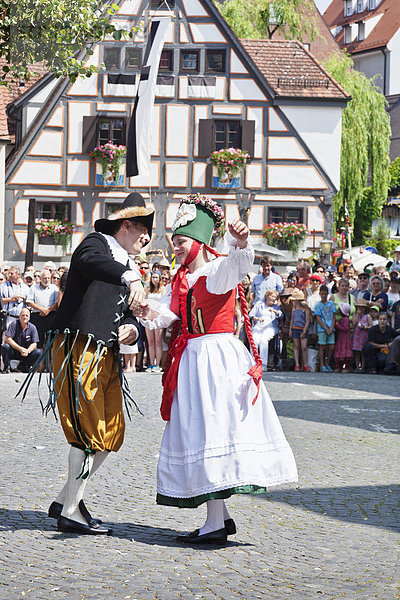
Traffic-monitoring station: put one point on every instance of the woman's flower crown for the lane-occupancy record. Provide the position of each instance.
(210, 205)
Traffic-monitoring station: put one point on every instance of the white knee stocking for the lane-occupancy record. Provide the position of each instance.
(97, 461)
(75, 486)
(215, 516)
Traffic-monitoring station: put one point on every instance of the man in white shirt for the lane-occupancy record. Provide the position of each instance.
(42, 300)
(14, 294)
(267, 280)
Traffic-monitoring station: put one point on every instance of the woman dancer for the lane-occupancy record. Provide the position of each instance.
(222, 436)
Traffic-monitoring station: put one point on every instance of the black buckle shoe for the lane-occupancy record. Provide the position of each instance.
(69, 526)
(55, 510)
(217, 537)
(230, 526)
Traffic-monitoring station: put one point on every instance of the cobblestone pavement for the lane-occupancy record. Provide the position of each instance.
(331, 536)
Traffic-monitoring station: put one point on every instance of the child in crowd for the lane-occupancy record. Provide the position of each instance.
(265, 316)
(324, 313)
(374, 314)
(343, 346)
(298, 329)
(286, 307)
(362, 322)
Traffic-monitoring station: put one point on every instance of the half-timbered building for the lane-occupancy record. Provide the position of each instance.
(213, 91)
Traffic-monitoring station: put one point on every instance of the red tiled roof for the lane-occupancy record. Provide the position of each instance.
(381, 34)
(10, 94)
(291, 71)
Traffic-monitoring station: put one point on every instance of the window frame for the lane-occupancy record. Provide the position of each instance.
(170, 52)
(115, 118)
(53, 204)
(108, 208)
(284, 217)
(361, 31)
(192, 51)
(114, 49)
(215, 51)
(227, 144)
(155, 4)
(360, 6)
(139, 53)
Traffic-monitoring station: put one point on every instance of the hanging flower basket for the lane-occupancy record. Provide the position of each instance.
(285, 236)
(227, 166)
(110, 167)
(54, 236)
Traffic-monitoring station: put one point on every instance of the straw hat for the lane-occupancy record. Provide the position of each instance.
(361, 302)
(299, 296)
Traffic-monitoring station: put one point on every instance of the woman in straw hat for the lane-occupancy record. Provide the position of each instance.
(222, 436)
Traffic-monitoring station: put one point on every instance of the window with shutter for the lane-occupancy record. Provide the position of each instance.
(215, 134)
(99, 130)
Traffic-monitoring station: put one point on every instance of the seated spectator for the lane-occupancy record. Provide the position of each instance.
(21, 338)
(377, 296)
(42, 299)
(324, 312)
(362, 286)
(376, 350)
(265, 317)
(362, 322)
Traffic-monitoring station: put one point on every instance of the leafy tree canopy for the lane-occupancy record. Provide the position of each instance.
(56, 33)
(365, 146)
(263, 18)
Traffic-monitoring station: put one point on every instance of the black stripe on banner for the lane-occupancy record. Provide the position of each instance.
(124, 79)
(131, 147)
(153, 32)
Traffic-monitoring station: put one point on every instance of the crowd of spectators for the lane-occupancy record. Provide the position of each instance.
(310, 319)
(321, 319)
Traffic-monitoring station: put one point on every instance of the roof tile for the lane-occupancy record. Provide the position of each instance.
(291, 71)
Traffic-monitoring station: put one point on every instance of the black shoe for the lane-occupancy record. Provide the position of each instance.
(55, 509)
(230, 526)
(214, 537)
(7, 370)
(69, 526)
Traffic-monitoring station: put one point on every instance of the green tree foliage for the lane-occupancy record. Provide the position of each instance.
(394, 172)
(263, 18)
(56, 33)
(365, 147)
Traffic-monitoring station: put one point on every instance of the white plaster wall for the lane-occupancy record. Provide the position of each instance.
(372, 64)
(321, 130)
(394, 73)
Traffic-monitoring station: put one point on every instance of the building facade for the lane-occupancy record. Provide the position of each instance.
(213, 91)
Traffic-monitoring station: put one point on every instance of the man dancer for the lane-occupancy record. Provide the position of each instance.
(92, 319)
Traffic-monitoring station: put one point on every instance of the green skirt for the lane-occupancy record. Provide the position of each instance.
(219, 495)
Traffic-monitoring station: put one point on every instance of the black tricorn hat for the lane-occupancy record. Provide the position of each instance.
(133, 209)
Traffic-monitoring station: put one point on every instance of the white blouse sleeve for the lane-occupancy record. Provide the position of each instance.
(227, 272)
(165, 316)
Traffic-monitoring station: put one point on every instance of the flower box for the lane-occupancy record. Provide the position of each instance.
(228, 180)
(110, 180)
(46, 247)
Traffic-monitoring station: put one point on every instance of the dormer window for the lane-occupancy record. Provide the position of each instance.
(348, 8)
(348, 34)
(360, 6)
(361, 31)
(372, 4)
